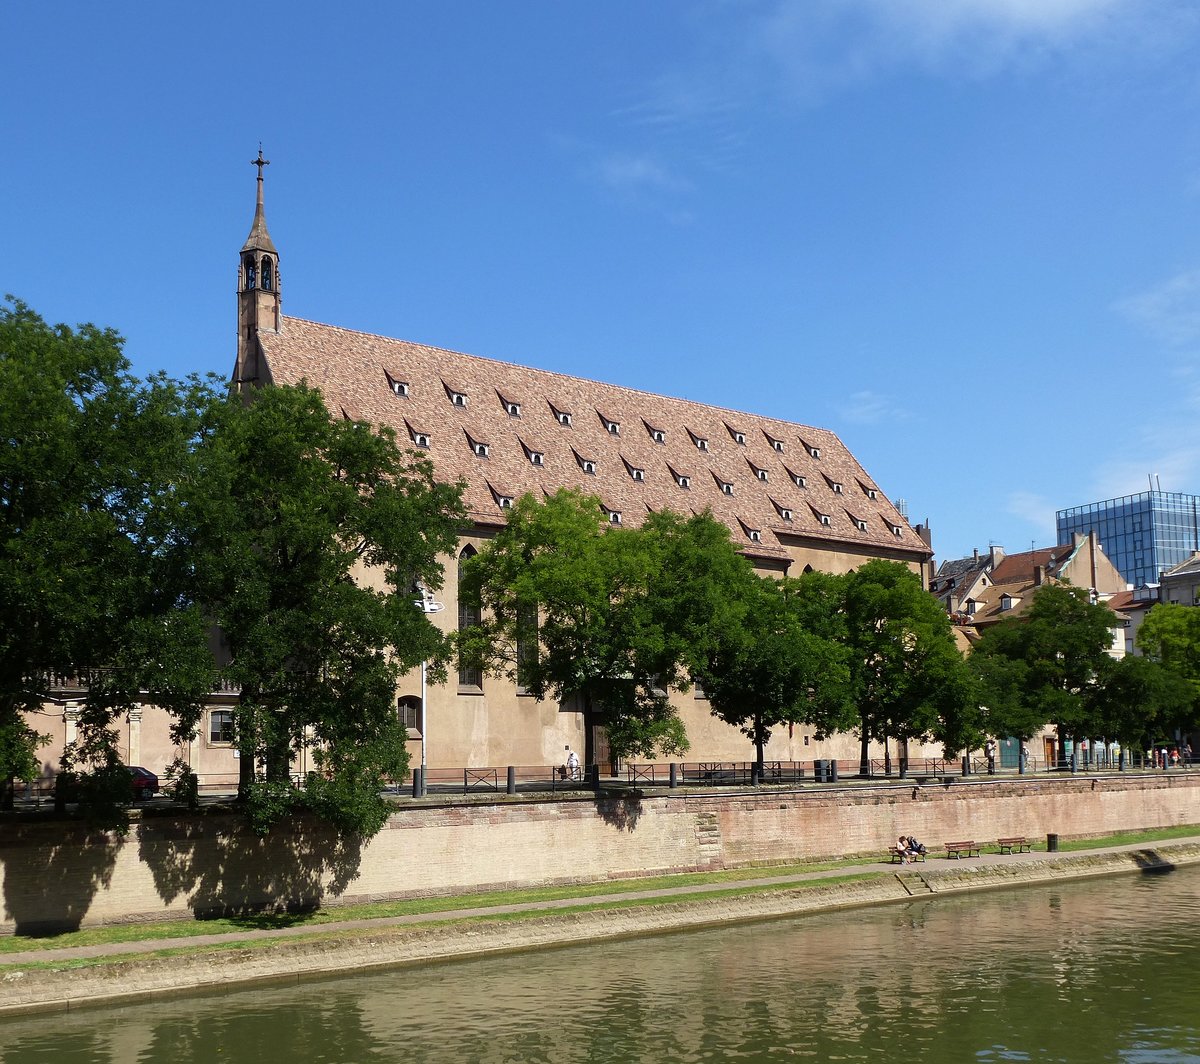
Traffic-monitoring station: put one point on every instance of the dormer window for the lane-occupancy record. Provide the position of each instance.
(537, 458)
(561, 416)
(635, 472)
(700, 442)
(1006, 602)
(860, 524)
(457, 398)
(657, 435)
(871, 492)
(738, 437)
(814, 452)
(797, 479)
(586, 464)
(784, 513)
(682, 479)
(505, 502)
(755, 535)
(396, 387)
(897, 530)
(726, 487)
(613, 428)
(512, 409)
(824, 519)
(421, 439)
(481, 449)
(837, 487)
(614, 516)
(776, 444)
(760, 473)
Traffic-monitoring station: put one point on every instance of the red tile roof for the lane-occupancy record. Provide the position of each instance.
(354, 371)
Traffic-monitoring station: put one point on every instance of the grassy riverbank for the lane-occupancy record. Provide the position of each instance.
(262, 931)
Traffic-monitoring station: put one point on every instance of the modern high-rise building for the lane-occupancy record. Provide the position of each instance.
(1142, 534)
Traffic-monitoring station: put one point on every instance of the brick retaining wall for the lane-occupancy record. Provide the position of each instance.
(61, 876)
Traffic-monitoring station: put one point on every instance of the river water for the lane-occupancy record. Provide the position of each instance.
(1105, 970)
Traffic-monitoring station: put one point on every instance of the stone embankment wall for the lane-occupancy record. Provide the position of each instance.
(170, 866)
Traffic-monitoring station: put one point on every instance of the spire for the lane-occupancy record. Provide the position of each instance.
(259, 239)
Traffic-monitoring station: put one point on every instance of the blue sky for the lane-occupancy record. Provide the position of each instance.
(963, 234)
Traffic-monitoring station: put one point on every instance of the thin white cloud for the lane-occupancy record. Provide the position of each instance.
(1038, 512)
(635, 174)
(870, 408)
(1170, 310)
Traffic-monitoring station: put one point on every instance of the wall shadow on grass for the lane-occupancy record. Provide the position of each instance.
(52, 873)
(220, 868)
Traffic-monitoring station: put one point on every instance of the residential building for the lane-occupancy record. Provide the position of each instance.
(1181, 583)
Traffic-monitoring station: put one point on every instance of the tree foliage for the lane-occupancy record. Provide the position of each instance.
(622, 614)
(907, 678)
(1170, 634)
(1043, 666)
(310, 533)
(785, 663)
(93, 572)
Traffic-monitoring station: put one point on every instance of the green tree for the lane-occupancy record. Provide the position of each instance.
(1171, 634)
(783, 663)
(907, 677)
(310, 535)
(1138, 700)
(1054, 655)
(574, 607)
(93, 575)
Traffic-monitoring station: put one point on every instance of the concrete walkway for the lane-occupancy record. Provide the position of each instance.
(600, 898)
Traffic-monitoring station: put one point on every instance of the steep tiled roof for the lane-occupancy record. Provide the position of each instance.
(541, 431)
(1016, 568)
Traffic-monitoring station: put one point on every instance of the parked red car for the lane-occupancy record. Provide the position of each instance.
(144, 782)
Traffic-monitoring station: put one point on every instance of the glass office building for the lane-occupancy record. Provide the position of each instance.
(1141, 534)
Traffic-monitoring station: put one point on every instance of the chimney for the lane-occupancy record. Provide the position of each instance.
(976, 555)
(1039, 575)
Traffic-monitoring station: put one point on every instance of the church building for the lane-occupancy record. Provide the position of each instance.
(792, 495)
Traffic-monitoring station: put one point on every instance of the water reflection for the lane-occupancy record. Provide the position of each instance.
(1100, 971)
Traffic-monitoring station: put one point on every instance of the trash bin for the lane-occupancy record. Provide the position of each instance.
(821, 770)
(1052, 844)
(831, 772)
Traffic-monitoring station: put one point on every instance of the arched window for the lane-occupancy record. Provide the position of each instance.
(248, 271)
(469, 614)
(267, 274)
(408, 712)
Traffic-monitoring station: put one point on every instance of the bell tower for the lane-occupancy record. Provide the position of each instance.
(257, 293)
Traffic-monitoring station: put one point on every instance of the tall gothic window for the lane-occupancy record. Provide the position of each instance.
(248, 269)
(469, 614)
(527, 642)
(266, 274)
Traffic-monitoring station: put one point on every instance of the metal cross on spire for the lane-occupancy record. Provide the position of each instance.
(260, 162)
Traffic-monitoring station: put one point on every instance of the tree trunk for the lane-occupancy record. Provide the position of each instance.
(864, 753)
(759, 743)
(589, 729)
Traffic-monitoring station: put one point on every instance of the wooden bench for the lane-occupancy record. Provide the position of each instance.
(961, 849)
(898, 854)
(1017, 844)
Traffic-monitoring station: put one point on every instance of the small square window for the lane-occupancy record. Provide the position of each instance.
(872, 493)
(421, 439)
(682, 481)
(762, 474)
(637, 474)
(701, 444)
(613, 428)
(537, 458)
(481, 450)
(837, 488)
(824, 519)
(755, 536)
(658, 436)
(799, 481)
(861, 525)
(786, 514)
(513, 409)
(614, 517)
(740, 439)
(458, 399)
(505, 502)
(564, 418)
(815, 452)
(588, 466)
(726, 487)
(399, 388)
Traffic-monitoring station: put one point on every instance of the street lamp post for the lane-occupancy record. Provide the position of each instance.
(427, 604)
